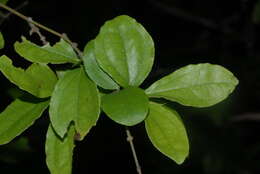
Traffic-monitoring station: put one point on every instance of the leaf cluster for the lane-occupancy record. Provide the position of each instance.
(117, 61)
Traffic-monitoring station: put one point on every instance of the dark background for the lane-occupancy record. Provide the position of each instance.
(223, 139)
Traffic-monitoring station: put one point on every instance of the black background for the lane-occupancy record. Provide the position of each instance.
(223, 139)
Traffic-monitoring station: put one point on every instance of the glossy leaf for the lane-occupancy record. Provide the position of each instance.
(2, 41)
(59, 152)
(75, 98)
(128, 106)
(17, 117)
(61, 52)
(167, 132)
(38, 79)
(198, 85)
(94, 71)
(125, 50)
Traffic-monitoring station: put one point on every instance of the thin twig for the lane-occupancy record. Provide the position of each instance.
(5, 16)
(41, 26)
(183, 14)
(36, 30)
(130, 140)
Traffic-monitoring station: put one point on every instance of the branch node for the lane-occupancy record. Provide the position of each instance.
(130, 140)
(36, 30)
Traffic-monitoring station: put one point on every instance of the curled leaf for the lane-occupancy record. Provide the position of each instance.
(61, 52)
(94, 71)
(38, 79)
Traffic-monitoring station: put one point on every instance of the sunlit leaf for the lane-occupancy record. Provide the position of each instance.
(61, 52)
(38, 79)
(59, 151)
(198, 85)
(75, 98)
(94, 71)
(18, 116)
(167, 132)
(2, 41)
(128, 106)
(125, 50)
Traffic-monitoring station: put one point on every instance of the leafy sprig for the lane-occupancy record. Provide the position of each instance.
(118, 60)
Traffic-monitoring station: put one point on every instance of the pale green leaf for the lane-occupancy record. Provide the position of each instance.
(61, 52)
(59, 152)
(94, 71)
(38, 79)
(17, 117)
(2, 41)
(128, 106)
(200, 85)
(75, 98)
(125, 50)
(167, 132)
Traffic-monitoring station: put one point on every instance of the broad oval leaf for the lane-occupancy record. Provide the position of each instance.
(200, 85)
(125, 50)
(167, 132)
(2, 41)
(18, 116)
(94, 71)
(37, 79)
(61, 52)
(75, 98)
(59, 152)
(127, 107)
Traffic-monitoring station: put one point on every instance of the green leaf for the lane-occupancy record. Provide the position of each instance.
(128, 106)
(256, 12)
(125, 50)
(2, 41)
(167, 132)
(38, 79)
(75, 98)
(94, 71)
(200, 85)
(17, 117)
(59, 151)
(61, 52)
(4, 1)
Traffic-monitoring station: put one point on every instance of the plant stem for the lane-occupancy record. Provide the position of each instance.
(64, 37)
(130, 140)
